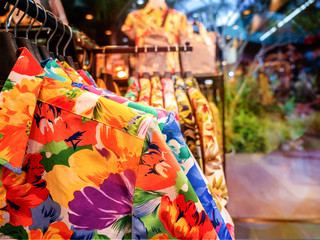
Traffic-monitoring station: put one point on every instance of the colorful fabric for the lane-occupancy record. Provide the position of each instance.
(86, 76)
(169, 128)
(133, 89)
(169, 98)
(210, 149)
(222, 221)
(93, 169)
(140, 23)
(145, 91)
(217, 124)
(186, 117)
(73, 74)
(156, 93)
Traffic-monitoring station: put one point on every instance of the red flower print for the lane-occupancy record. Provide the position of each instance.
(57, 230)
(181, 219)
(24, 191)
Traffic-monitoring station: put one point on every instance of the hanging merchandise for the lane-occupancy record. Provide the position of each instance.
(81, 162)
(212, 155)
(169, 98)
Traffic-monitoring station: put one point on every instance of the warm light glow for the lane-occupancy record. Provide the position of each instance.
(246, 12)
(108, 32)
(224, 63)
(89, 16)
(121, 74)
(235, 27)
(228, 37)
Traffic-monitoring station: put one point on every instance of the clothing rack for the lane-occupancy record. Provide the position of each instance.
(153, 49)
(32, 12)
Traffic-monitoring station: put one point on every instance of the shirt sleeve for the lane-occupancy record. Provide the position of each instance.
(127, 27)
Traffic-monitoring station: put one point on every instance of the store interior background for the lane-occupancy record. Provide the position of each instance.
(269, 55)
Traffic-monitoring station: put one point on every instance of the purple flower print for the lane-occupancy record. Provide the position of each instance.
(99, 208)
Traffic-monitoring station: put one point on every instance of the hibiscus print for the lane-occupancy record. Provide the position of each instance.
(104, 205)
(181, 219)
(24, 191)
(57, 230)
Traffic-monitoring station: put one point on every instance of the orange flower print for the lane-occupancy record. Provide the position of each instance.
(161, 236)
(57, 230)
(181, 219)
(24, 191)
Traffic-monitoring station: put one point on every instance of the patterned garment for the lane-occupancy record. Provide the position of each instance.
(169, 98)
(145, 92)
(156, 93)
(217, 124)
(222, 221)
(133, 89)
(140, 23)
(217, 213)
(210, 149)
(186, 117)
(86, 76)
(92, 169)
(73, 74)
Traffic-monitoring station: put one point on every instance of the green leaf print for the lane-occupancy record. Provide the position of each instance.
(99, 237)
(61, 158)
(14, 232)
(140, 196)
(8, 85)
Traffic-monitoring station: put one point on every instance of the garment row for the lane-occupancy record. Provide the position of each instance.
(79, 162)
(199, 121)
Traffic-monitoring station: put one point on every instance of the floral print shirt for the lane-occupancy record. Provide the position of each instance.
(217, 213)
(90, 167)
(210, 148)
(169, 98)
(133, 89)
(145, 91)
(156, 93)
(140, 23)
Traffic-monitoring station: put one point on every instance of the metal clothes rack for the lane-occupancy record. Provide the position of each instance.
(32, 12)
(154, 49)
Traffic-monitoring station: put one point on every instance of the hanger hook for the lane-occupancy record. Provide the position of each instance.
(58, 43)
(54, 31)
(34, 20)
(156, 48)
(10, 14)
(68, 42)
(42, 25)
(22, 17)
(145, 49)
(168, 48)
(136, 49)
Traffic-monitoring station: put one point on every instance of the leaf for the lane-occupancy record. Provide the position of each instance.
(14, 232)
(141, 196)
(122, 223)
(54, 147)
(1, 135)
(98, 236)
(8, 85)
(62, 158)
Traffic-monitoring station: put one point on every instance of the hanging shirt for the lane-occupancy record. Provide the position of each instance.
(73, 74)
(133, 89)
(170, 102)
(90, 167)
(210, 148)
(86, 76)
(143, 22)
(221, 219)
(145, 91)
(156, 93)
(168, 126)
(186, 118)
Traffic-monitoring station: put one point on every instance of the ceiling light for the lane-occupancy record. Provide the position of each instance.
(224, 63)
(140, 2)
(89, 16)
(235, 27)
(246, 12)
(121, 74)
(108, 32)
